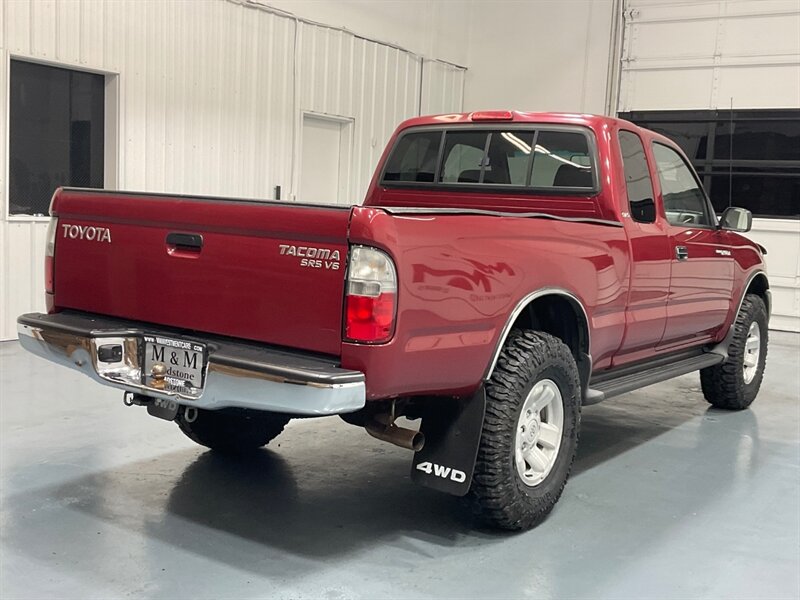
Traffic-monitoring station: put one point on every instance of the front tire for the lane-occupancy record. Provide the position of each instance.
(530, 431)
(734, 384)
(231, 432)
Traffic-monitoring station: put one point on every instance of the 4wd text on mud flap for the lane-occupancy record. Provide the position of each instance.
(442, 471)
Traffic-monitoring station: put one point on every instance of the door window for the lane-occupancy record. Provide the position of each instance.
(637, 178)
(684, 200)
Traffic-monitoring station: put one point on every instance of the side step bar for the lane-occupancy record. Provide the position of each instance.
(609, 385)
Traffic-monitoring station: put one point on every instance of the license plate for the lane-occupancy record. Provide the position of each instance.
(183, 362)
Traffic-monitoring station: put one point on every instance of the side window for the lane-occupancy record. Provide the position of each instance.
(463, 156)
(684, 201)
(562, 160)
(414, 158)
(637, 178)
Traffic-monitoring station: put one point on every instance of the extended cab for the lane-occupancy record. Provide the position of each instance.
(505, 269)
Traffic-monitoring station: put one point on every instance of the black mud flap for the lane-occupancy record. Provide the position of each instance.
(452, 434)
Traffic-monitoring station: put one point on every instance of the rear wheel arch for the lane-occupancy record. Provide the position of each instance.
(559, 313)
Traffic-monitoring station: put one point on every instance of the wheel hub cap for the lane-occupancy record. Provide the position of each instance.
(538, 434)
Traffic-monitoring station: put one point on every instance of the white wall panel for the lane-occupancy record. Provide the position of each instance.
(760, 85)
(781, 238)
(651, 40)
(443, 87)
(210, 98)
(699, 55)
(543, 55)
(21, 272)
(375, 85)
(431, 28)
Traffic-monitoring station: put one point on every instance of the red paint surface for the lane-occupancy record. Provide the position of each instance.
(238, 284)
(459, 276)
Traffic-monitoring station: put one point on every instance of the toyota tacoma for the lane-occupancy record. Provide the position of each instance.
(504, 270)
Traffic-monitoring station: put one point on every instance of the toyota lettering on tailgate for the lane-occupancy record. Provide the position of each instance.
(85, 232)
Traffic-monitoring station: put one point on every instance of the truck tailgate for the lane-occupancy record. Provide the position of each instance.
(263, 271)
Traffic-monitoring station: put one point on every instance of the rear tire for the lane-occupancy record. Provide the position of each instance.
(232, 432)
(524, 456)
(734, 384)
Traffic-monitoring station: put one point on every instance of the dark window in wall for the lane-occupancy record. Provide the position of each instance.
(692, 137)
(56, 133)
(748, 158)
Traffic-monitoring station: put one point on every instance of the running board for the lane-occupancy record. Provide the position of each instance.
(608, 385)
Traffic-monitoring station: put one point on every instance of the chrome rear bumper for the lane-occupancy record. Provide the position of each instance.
(237, 374)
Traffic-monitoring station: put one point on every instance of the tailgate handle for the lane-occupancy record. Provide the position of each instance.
(192, 242)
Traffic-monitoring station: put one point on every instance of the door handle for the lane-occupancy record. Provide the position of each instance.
(184, 245)
(681, 252)
(185, 241)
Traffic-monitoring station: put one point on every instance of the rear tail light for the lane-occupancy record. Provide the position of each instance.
(371, 301)
(50, 255)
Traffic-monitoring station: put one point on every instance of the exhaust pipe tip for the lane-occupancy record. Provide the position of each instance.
(399, 436)
(417, 441)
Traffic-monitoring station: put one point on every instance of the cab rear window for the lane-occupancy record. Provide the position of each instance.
(526, 159)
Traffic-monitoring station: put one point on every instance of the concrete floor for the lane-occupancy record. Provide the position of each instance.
(668, 498)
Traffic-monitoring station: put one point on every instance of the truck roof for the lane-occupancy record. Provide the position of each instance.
(510, 116)
(499, 117)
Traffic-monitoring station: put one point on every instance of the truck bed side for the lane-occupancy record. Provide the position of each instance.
(461, 278)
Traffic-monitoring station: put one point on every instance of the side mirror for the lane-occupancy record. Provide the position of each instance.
(736, 219)
(644, 211)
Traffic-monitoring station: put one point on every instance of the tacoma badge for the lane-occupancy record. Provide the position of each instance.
(316, 258)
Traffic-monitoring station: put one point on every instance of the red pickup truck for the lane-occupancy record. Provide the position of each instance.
(505, 269)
